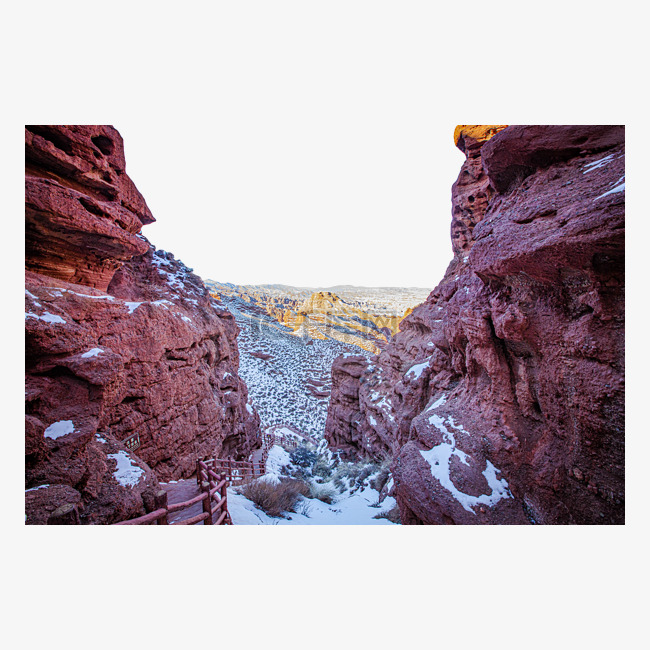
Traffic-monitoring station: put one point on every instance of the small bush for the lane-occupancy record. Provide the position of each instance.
(301, 473)
(382, 477)
(323, 493)
(304, 508)
(302, 457)
(275, 499)
(391, 515)
(322, 468)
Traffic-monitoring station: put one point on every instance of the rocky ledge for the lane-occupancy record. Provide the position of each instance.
(501, 400)
(131, 367)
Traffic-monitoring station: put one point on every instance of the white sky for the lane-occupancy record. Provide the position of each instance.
(320, 163)
(296, 191)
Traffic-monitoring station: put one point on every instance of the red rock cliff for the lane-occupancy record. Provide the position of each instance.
(501, 400)
(120, 340)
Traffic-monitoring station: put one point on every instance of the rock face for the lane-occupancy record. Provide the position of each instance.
(121, 341)
(502, 398)
(82, 212)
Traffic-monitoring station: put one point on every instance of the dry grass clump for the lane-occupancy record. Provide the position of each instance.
(275, 499)
(353, 476)
(391, 515)
(324, 493)
(382, 476)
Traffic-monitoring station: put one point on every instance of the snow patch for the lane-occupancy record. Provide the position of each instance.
(439, 460)
(127, 473)
(47, 317)
(38, 487)
(132, 306)
(439, 402)
(59, 429)
(416, 371)
(92, 353)
(589, 167)
(619, 188)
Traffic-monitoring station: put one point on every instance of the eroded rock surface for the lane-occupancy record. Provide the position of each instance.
(121, 340)
(502, 398)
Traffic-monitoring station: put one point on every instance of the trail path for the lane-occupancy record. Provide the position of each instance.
(180, 491)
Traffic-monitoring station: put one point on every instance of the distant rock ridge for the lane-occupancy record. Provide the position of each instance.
(361, 316)
(501, 399)
(131, 367)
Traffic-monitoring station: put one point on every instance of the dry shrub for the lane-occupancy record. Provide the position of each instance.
(324, 493)
(275, 499)
(391, 515)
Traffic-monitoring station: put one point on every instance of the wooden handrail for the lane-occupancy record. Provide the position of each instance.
(145, 519)
(192, 520)
(213, 487)
(175, 507)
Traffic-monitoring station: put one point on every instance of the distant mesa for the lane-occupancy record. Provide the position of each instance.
(365, 317)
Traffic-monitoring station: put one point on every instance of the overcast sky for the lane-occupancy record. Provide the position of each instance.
(298, 193)
(315, 157)
(295, 191)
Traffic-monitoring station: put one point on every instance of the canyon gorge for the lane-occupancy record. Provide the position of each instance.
(496, 398)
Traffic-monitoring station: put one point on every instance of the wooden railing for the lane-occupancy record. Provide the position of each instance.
(213, 476)
(299, 434)
(213, 494)
(235, 472)
(271, 438)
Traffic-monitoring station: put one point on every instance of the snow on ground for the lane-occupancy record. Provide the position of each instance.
(589, 167)
(355, 505)
(350, 510)
(38, 487)
(619, 188)
(47, 317)
(278, 387)
(277, 460)
(415, 371)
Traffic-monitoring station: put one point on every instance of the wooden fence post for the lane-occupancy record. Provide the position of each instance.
(66, 514)
(160, 501)
(224, 495)
(207, 503)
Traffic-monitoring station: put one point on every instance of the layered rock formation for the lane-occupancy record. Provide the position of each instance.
(366, 317)
(502, 398)
(124, 345)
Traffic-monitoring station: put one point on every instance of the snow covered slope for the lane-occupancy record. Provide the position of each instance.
(367, 317)
(288, 377)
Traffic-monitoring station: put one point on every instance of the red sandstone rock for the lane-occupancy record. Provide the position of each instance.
(151, 354)
(511, 374)
(521, 150)
(82, 212)
(472, 191)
